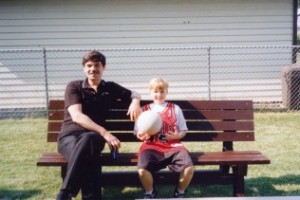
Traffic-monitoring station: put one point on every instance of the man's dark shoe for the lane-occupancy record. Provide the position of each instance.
(178, 195)
(64, 196)
(150, 196)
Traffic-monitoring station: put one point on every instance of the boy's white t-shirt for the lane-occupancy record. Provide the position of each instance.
(180, 120)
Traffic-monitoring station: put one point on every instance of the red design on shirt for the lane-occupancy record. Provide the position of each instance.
(159, 141)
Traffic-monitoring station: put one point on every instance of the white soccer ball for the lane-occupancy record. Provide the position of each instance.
(149, 122)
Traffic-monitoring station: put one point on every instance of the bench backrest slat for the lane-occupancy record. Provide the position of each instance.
(199, 126)
(192, 104)
(56, 115)
(206, 120)
(205, 114)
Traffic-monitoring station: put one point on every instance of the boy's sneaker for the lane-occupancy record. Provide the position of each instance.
(150, 196)
(178, 195)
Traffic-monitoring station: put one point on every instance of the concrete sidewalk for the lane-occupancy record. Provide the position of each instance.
(242, 198)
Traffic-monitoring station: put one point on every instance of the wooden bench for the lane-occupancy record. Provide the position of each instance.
(224, 122)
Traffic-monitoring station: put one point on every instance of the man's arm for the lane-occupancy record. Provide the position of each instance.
(134, 109)
(84, 121)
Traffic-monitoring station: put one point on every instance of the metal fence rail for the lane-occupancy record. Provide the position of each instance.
(30, 77)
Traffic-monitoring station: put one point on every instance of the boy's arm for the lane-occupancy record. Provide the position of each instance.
(180, 124)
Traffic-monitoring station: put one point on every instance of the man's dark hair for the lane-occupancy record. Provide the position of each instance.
(94, 56)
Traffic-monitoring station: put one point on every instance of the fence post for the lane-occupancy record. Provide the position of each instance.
(46, 78)
(209, 73)
(294, 54)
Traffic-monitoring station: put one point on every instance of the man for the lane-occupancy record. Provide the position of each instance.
(83, 133)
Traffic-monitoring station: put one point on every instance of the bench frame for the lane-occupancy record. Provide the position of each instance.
(208, 121)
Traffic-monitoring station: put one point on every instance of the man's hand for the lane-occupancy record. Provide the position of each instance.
(134, 109)
(111, 140)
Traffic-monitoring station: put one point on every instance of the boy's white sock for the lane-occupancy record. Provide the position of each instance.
(149, 192)
(180, 191)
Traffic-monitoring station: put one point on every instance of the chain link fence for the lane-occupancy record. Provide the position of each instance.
(268, 75)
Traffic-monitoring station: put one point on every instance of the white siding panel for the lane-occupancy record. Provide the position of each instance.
(142, 23)
(143, 34)
(116, 22)
(145, 42)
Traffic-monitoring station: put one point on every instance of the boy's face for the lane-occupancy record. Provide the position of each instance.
(93, 70)
(158, 95)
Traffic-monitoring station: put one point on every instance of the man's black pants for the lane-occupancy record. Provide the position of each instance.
(82, 150)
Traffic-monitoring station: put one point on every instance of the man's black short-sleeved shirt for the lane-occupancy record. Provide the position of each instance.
(94, 104)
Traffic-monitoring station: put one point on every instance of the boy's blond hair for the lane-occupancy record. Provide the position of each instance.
(158, 84)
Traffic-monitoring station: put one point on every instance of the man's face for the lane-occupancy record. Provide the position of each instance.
(158, 96)
(93, 70)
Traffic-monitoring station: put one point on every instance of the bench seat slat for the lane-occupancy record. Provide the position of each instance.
(200, 158)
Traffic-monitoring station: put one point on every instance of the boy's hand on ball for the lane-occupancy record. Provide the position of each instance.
(172, 134)
(143, 136)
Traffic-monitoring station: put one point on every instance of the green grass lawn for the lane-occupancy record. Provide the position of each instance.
(277, 136)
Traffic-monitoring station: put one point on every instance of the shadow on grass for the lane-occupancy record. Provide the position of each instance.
(281, 186)
(6, 194)
(288, 185)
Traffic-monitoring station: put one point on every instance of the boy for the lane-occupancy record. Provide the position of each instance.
(164, 149)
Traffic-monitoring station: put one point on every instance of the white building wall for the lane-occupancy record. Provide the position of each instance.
(216, 73)
(143, 23)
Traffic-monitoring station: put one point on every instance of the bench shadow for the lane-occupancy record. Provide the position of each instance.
(7, 194)
(261, 186)
(287, 185)
(269, 186)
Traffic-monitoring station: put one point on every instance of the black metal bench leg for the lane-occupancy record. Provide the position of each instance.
(238, 186)
(239, 173)
(63, 172)
(100, 178)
